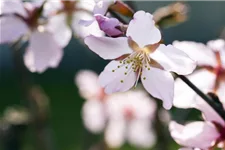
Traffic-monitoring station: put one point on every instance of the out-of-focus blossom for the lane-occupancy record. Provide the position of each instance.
(23, 19)
(129, 117)
(109, 25)
(140, 55)
(209, 77)
(197, 134)
(101, 6)
(200, 134)
(65, 17)
(124, 116)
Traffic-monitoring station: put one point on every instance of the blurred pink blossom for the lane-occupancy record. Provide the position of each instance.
(140, 55)
(65, 17)
(22, 20)
(200, 134)
(123, 116)
(210, 77)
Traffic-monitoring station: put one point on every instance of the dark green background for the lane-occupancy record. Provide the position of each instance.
(206, 21)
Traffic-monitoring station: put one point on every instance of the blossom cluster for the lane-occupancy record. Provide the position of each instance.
(136, 52)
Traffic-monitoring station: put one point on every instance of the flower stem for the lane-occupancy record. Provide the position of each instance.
(209, 100)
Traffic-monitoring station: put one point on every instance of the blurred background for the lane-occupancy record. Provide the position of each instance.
(64, 126)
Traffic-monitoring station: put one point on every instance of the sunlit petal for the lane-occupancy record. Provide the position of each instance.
(173, 59)
(142, 29)
(108, 48)
(159, 84)
(117, 79)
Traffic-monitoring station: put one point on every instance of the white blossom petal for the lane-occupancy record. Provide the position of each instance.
(184, 96)
(51, 7)
(93, 115)
(159, 84)
(117, 79)
(196, 134)
(221, 93)
(43, 52)
(83, 31)
(86, 5)
(12, 6)
(198, 52)
(87, 82)
(141, 134)
(115, 133)
(108, 48)
(58, 27)
(217, 45)
(142, 29)
(173, 59)
(102, 6)
(11, 29)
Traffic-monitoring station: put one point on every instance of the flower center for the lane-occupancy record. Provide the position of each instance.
(134, 63)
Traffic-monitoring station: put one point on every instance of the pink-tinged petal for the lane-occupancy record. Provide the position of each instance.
(217, 45)
(87, 83)
(221, 93)
(94, 116)
(196, 134)
(86, 5)
(209, 113)
(198, 52)
(115, 133)
(51, 7)
(184, 96)
(159, 84)
(117, 79)
(58, 27)
(83, 31)
(108, 48)
(12, 7)
(86, 23)
(12, 28)
(43, 52)
(173, 59)
(108, 25)
(142, 29)
(140, 133)
(102, 6)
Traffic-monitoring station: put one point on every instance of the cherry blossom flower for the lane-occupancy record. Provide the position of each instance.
(123, 116)
(210, 76)
(66, 15)
(129, 117)
(200, 134)
(22, 19)
(140, 55)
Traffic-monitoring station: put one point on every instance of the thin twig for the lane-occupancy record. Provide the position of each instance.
(210, 101)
